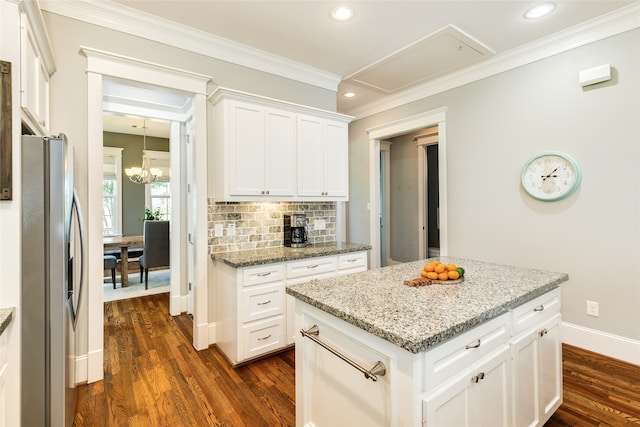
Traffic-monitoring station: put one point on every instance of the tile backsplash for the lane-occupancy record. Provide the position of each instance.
(260, 224)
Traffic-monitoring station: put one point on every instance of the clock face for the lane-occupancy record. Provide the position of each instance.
(550, 176)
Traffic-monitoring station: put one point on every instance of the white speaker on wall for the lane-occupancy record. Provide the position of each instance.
(594, 75)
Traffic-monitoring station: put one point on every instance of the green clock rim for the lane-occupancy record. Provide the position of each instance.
(567, 157)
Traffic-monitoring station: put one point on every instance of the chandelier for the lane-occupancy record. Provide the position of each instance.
(144, 174)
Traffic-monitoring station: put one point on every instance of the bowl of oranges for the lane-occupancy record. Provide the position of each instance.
(438, 272)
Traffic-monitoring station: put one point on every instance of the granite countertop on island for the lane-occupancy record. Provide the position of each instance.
(6, 314)
(417, 318)
(263, 256)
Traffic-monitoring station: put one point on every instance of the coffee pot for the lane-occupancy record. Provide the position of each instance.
(296, 230)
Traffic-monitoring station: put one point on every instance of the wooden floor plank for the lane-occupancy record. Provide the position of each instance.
(154, 377)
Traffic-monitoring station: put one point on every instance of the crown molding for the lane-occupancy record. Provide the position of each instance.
(130, 21)
(611, 24)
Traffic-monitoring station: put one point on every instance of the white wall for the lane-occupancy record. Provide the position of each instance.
(493, 127)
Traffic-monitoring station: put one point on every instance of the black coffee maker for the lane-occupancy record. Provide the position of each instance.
(296, 227)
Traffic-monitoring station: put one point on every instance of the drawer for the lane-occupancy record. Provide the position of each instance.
(451, 357)
(535, 311)
(262, 274)
(311, 267)
(262, 301)
(263, 337)
(356, 261)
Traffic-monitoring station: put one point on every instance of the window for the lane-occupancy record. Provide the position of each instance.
(158, 194)
(111, 191)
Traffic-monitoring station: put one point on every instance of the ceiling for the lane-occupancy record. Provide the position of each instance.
(388, 46)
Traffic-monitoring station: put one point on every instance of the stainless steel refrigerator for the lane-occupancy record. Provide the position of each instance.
(52, 271)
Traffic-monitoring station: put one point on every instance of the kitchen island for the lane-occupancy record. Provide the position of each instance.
(482, 352)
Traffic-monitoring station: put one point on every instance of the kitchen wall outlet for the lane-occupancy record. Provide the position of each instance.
(217, 232)
(231, 230)
(592, 309)
(319, 224)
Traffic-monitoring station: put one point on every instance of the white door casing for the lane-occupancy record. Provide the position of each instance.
(390, 130)
(99, 65)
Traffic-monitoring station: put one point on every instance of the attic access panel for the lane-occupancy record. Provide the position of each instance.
(441, 52)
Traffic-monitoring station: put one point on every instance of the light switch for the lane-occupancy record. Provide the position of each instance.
(217, 230)
(319, 224)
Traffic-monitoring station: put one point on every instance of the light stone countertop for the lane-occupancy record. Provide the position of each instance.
(254, 257)
(417, 318)
(6, 315)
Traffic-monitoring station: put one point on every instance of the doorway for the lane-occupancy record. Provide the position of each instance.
(103, 66)
(412, 124)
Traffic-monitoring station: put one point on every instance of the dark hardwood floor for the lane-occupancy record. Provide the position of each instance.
(154, 377)
(598, 391)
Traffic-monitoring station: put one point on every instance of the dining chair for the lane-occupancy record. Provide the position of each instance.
(110, 262)
(155, 250)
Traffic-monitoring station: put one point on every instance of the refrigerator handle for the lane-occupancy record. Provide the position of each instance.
(75, 206)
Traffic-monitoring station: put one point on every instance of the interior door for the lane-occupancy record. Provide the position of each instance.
(190, 211)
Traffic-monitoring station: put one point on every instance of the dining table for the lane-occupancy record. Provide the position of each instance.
(124, 243)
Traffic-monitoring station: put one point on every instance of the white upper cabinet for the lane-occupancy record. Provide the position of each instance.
(36, 67)
(264, 149)
(323, 166)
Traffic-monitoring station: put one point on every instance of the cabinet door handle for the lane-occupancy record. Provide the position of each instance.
(264, 338)
(539, 308)
(543, 332)
(263, 274)
(470, 346)
(476, 378)
(267, 192)
(264, 303)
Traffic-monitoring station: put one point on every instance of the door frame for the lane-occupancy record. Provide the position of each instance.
(390, 130)
(100, 64)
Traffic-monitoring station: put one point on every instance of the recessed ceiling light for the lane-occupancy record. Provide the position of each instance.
(342, 13)
(348, 94)
(539, 10)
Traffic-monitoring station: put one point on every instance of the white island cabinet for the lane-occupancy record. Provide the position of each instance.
(484, 352)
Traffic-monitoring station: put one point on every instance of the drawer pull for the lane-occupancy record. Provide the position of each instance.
(268, 273)
(264, 303)
(264, 338)
(352, 260)
(470, 346)
(370, 374)
(539, 308)
(312, 266)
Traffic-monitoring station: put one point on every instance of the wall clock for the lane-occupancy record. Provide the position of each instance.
(550, 176)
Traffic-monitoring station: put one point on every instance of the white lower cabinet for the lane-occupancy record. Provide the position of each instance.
(254, 316)
(479, 396)
(537, 373)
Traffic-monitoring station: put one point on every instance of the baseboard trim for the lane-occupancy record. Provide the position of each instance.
(600, 342)
(212, 333)
(82, 363)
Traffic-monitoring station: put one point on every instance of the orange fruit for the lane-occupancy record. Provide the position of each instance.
(451, 267)
(440, 268)
(423, 273)
(432, 275)
(443, 276)
(429, 267)
(453, 275)
(436, 261)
